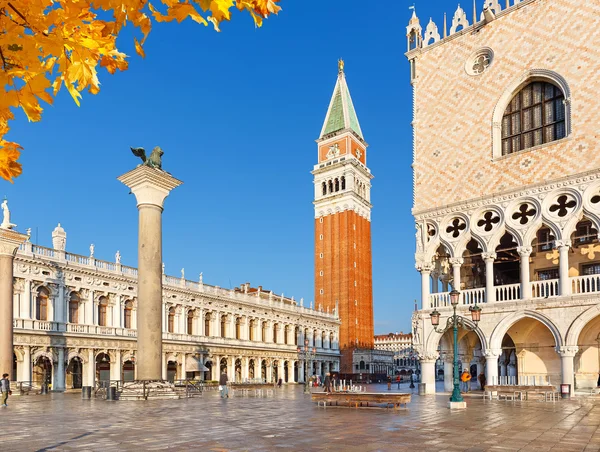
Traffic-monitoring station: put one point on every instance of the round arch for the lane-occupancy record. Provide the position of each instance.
(433, 340)
(504, 325)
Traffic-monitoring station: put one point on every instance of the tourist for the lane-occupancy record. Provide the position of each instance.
(279, 383)
(327, 383)
(482, 380)
(389, 382)
(398, 381)
(5, 389)
(465, 378)
(223, 385)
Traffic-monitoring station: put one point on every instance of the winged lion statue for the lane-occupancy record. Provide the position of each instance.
(154, 161)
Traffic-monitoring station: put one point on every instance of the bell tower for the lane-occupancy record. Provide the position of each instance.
(343, 274)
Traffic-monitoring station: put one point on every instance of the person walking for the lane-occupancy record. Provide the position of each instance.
(5, 389)
(465, 378)
(327, 383)
(223, 385)
(398, 381)
(389, 382)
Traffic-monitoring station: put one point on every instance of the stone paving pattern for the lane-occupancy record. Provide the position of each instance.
(290, 421)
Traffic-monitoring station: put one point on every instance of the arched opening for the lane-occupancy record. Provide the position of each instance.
(473, 268)
(264, 332)
(102, 311)
(361, 365)
(238, 327)
(263, 370)
(296, 335)
(74, 301)
(171, 370)
(238, 370)
(544, 264)
(251, 365)
(171, 320)
(330, 186)
(315, 337)
(331, 342)
(507, 269)
(208, 373)
(252, 329)
(528, 350)
(343, 183)
(296, 378)
(587, 360)
(127, 314)
(275, 330)
(275, 373)
(286, 373)
(442, 274)
(470, 357)
(337, 184)
(128, 370)
(223, 326)
(74, 374)
(41, 303)
(534, 116)
(42, 371)
(323, 339)
(324, 188)
(286, 332)
(190, 321)
(103, 369)
(207, 324)
(584, 259)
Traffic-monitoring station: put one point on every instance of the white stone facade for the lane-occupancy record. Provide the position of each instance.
(401, 345)
(75, 324)
(509, 222)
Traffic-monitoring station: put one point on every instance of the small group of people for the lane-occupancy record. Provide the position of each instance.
(465, 379)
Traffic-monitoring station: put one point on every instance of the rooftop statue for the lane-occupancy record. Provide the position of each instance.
(6, 224)
(154, 161)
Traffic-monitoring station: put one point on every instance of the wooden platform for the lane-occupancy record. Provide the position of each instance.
(361, 399)
(520, 392)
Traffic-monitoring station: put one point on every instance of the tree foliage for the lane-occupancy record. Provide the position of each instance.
(47, 44)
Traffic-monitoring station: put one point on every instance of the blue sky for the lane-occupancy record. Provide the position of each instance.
(237, 113)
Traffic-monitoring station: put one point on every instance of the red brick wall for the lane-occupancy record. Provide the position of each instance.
(346, 241)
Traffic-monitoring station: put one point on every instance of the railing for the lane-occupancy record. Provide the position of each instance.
(585, 284)
(129, 271)
(544, 289)
(43, 251)
(440, 299)
(173, 281)
(473, 296)
(508, 292)
(104, 265)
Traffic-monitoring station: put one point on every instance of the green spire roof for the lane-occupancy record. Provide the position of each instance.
(341, 114)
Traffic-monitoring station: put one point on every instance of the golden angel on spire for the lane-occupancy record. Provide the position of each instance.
(340, 65)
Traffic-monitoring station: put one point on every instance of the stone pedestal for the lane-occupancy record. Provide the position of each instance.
(9, 243)
(150, 187)
(457, 405)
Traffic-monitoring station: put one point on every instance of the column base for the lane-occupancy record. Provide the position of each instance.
(457, 405)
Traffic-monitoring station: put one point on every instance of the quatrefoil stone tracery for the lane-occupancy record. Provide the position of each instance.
(456, 227)
(524, 214)
(563, 206)
(488, 221)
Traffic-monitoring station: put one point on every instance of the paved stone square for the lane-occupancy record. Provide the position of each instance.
(290, 421)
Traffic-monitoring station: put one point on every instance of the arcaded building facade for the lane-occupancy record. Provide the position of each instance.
(342, 182)
(507, 187)
(75, 324)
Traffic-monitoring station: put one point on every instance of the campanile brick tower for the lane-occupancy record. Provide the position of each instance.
(343, 275)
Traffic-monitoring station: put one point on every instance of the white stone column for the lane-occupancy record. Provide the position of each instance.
(490, 291)
(567, 353)
(150, 187)
(564, 282)
(301, 366)
(215, 370)
(116, 368)
(280, 370)
(491, 366)
(26, 373)
(448, 376)
(26, 304)
(58, 385)
(90, 369)
(117, 321)
(525, 252)
(60, 311)
(9, 243)
(291, 378)
(183, 373)
(269, 371)
(89, 308)
(164, 366)
(425, 269)
(456, 264)
(428, 372)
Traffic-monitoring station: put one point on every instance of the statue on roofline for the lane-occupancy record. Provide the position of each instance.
(155, 159)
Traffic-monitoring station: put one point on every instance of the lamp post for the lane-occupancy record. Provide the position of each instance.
(306, 354)
(455, 321)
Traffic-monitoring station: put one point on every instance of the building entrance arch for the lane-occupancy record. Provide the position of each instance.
(587, 359)
(74, 377)
(42, 371)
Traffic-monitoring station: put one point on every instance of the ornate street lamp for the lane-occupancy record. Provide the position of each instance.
(455, 321)
(306, 355)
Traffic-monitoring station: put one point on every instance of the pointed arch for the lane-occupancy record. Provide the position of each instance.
(504, 325)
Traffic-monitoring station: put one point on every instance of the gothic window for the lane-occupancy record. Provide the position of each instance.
(343, 183)
(41, 304)
(534, 116)
(207, 325)
(337, 184)
(585, 233)
(102, 311)
(324, 188)
(545, 239)
(74, 308)
(190, 322)
(330, 340)
(171, 321)
(127, 314)
(330, 186)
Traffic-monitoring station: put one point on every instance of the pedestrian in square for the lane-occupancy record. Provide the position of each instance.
(398, 381)
(5, 389)
(482, 380)
(223, 385)
(389, 382)
(465, 378)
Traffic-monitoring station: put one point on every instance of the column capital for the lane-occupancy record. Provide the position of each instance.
(424, 267)
(10, 241)
(149, 185)
(489, 256)
(562, 244)
(428, 356)
(567, 350)
(456, 261)
(524, 251)
(492, 353)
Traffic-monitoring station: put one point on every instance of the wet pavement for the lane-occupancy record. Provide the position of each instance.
(289, 420)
